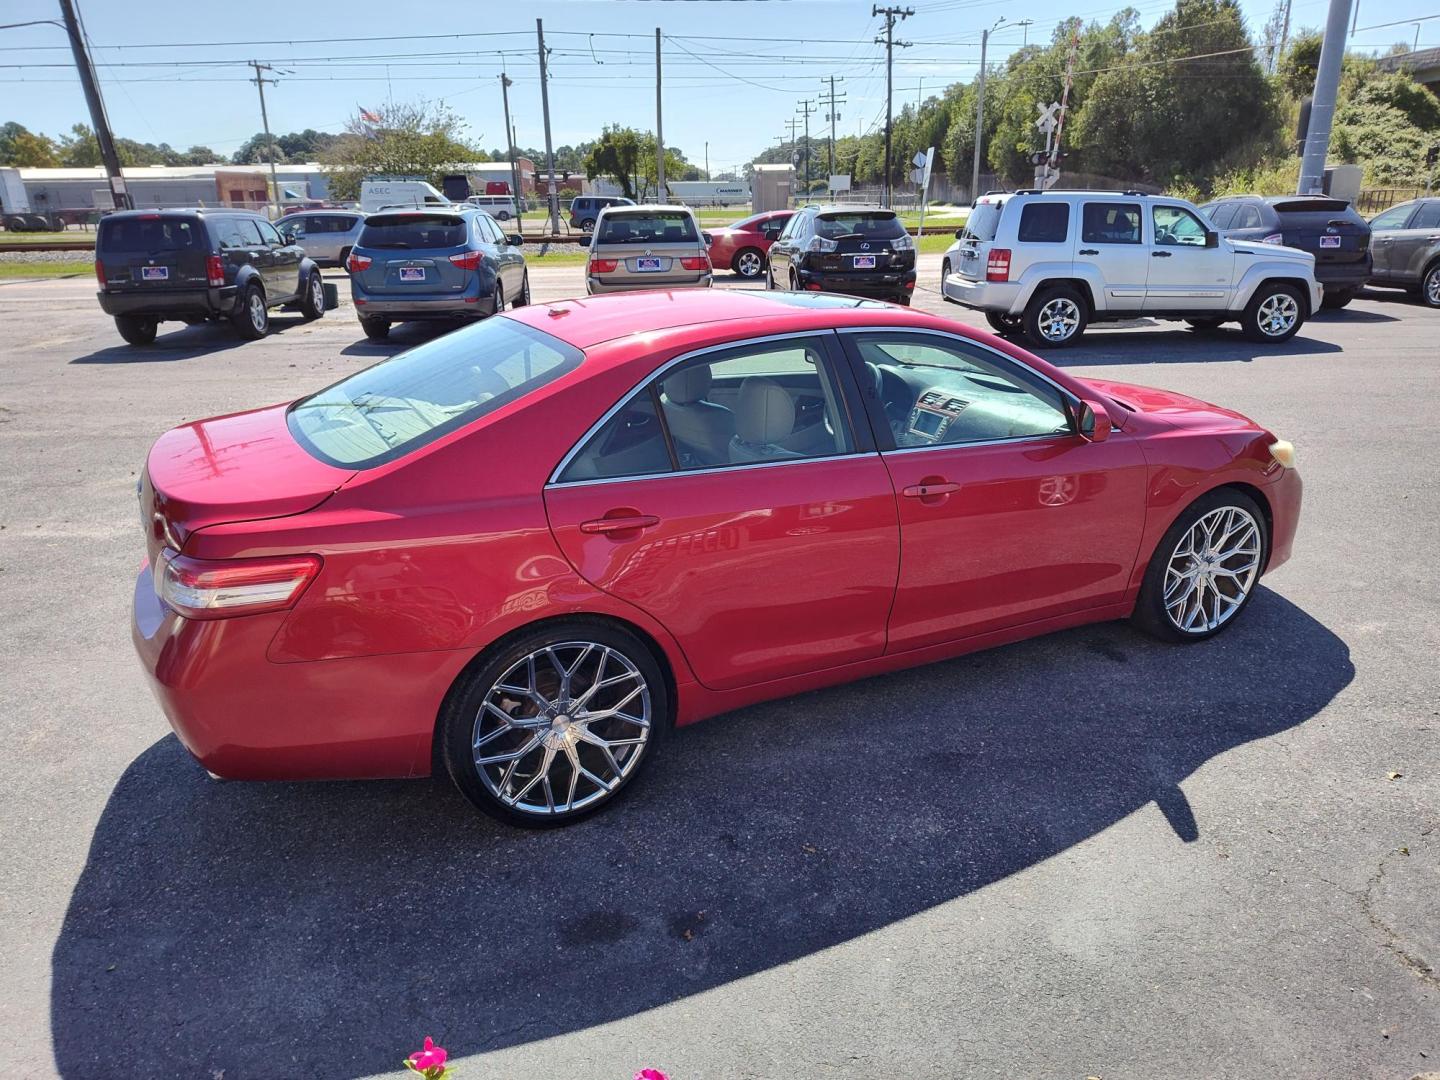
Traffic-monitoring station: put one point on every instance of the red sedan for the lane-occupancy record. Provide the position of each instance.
(524, 551)
(744, 246)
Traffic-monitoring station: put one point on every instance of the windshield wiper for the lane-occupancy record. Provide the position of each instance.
(395, 244)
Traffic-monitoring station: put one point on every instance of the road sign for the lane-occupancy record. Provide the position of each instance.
(1048, 116)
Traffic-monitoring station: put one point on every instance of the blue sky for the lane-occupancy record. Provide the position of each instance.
(735, 70)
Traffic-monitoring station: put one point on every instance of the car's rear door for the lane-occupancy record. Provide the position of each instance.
(1384, 229)
(1112, 237)
(762, 562)
(1007, 516)
(1415, 244)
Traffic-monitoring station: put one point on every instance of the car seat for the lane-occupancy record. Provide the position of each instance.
(764, 414)
(702, 430)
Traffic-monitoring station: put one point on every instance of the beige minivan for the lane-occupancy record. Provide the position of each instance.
(647, 247)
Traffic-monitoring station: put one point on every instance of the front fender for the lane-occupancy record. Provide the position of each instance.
(1262, 270)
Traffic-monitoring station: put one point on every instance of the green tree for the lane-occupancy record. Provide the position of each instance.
(616, 156)
(420, 139)
(26, 149)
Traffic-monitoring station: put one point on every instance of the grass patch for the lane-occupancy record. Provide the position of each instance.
(78, 267)
(8, 237)
(568, 255)
(934, 243)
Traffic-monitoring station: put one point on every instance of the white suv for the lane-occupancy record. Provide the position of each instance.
(1049, 263)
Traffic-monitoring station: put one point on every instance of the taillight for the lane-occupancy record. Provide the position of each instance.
(997, 267)
(215, 271)
(603, 266)
(468, 260)
(356, 263)
(702, 263)
(100, 272)
(222, 588)
(1274, 238)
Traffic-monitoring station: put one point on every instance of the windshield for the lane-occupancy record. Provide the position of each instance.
(867, 224)
(403, 403)
(983, 221)
(413, 231)
(148, 235)
(658, 227)
(745, 223)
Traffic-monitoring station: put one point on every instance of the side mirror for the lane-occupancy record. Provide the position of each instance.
(707, 238)
(515, 239)
(1092, 422)
(1212, 238)
(959, 234)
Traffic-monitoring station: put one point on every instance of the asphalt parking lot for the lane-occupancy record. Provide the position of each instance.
(1089, 855)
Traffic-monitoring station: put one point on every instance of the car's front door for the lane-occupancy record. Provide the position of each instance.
(762, 561)
(1111, 236)
(1007, 515)
(1185, 274)
(1384, 229)
(281, 269)
(782, 251)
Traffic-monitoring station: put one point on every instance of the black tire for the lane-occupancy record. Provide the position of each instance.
(1005, 324)
(769, 277)
(1430, 285)
(903, 299)
(1204, 326)
(344, 258)
(1335, 299)
(137, 329)
(312, 297)
(376, 329)
(793, 282)
(1254, 322)
(587, 225)
(251, 318)
(1150, 613)
(1056, 308)
(499, 305)
(748, 263)
(522, 298)
(463, 707)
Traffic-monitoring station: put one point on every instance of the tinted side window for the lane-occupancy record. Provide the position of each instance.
(268, 234)
(631, 443)
(792, 227)
(1045, 223)
(1110, 223)
(229, 234)
(1222, 214)
(149, 235)
(1428, 217)
(1248, 217)
(1394, 218)
(249, 232)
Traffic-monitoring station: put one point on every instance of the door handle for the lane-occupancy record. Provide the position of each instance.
(1159, 254)
(930, 489)
(1431, 239)
(1088, 251)
(607, 526)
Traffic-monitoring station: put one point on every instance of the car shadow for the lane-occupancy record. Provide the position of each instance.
(1353, 314)
(402, 336)
(1391, 296)
(184, 343)
(1222, 345)
(321, 929)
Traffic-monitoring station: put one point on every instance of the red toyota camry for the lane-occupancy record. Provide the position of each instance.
(744, 247)
(522, 552)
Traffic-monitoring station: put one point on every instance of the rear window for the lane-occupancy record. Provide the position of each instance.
(984, 221)
(148, 236)
(866, 224)
(1300, 206)
(1045, 223)
(403, 403)
(413, 231)
(648, 228)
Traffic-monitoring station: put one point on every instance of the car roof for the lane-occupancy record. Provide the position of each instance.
(650, 208)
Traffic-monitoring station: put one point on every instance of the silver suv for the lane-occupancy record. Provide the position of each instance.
(1049, 263)
(647, 247)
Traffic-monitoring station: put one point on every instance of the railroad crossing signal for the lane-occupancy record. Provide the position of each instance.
(1048, 118)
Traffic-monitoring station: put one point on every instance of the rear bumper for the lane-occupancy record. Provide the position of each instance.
(173, 303)
(246, 718)
(1001, 296)
(596, 285)
(859, 283)
(1344, 275)
(469, 304)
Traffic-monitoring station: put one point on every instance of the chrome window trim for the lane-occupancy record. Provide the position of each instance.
(629, 395)
(710, 470)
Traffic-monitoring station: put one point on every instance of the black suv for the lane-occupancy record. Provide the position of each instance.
(1329, 229)
(861, 251)
(198, 265)
(584, 209)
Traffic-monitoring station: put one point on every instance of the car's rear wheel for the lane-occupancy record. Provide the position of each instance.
(251, 317)
(312, 303)
(1004, 324)
(1205, 569)
(588, 225)
(1335, 299)
(552, 725)
(137, 329)
(1430, 286)
(1273, 314)
(748, 263)
(1055, 317)
(376, 329)
(522, 298)
(499, 298)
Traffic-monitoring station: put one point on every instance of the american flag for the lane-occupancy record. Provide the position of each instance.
(368, 116)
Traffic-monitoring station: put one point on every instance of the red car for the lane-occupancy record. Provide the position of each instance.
(524, 551)
(744, 246)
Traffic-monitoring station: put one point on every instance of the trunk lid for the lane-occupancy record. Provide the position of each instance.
(242, 467)
(152, 253)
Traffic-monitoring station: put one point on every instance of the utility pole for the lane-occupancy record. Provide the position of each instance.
(1322, 108)
(890, 13)
(830, 102)
(98, 117)
(980, 113)
(505, 83)
(552, 198)
(260, 82)
(806, 107)
(659, 129)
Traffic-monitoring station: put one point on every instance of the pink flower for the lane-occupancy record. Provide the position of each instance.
(432, 1057)
(650, 1074)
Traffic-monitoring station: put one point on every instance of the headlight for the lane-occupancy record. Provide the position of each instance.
(903, 242)
(819, 243)
(1283, 452)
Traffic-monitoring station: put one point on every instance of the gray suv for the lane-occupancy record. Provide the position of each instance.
(1405, 249)
(326, 235)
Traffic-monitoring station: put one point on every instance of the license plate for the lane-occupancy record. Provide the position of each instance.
(412, 273)
(647, 265)
(1329, 241)
(155, 273)
(864, 262)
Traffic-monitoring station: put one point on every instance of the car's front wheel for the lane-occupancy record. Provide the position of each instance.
(1004, 324)
(1205, 569)
(137, 329)
(251, 317)
(748, 263)
(552, 725)
(1273, 315)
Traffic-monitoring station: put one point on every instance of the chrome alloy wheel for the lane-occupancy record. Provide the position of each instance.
(317, 292)
(1212, 570)
(257, 311)
(1059, 319)
(1277, 314)
(748, 265)
(562, 728)
(1432, 287)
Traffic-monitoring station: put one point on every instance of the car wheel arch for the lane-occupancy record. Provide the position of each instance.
(1254, 492)
(662, 657)
(1079, 284)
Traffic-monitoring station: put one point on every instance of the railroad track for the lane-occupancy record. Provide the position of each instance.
(48, 245)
